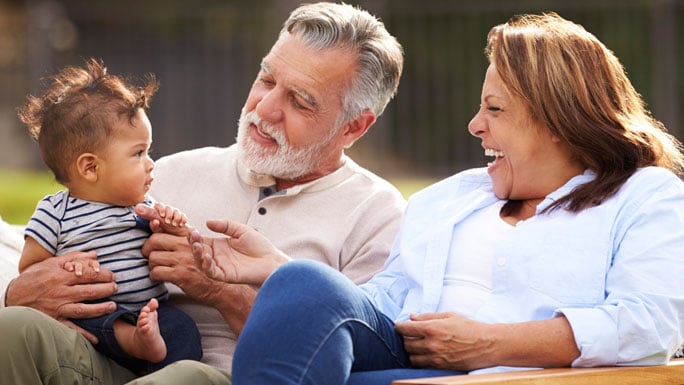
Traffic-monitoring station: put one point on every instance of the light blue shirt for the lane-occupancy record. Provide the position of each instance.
(615, 271)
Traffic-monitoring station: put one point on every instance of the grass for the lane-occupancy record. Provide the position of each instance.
(21, 190)
(410, 184)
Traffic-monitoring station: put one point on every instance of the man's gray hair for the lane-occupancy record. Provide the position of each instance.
(380, 56)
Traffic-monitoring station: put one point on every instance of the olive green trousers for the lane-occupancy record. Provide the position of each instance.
(36, 349)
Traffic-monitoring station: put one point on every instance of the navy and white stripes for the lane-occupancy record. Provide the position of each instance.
(62, 224)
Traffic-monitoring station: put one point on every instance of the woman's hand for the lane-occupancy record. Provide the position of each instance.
(241, 256)
(446, 341)
(454, 342)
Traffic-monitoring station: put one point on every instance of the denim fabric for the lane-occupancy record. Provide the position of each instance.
(177, 328)
(312, 325)
(385, 377)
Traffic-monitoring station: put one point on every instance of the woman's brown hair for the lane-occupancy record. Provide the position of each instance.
(577, 87)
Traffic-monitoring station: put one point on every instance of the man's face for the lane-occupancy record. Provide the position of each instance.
(288, 124)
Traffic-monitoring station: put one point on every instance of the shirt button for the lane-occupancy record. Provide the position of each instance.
(501, 261)
(262, 210)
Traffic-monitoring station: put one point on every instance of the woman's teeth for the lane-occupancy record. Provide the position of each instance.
(495, 153)
(492, 152)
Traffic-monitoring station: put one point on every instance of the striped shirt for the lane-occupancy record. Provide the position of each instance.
(62, 224)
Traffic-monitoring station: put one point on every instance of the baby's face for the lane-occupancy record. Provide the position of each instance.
(125, 171)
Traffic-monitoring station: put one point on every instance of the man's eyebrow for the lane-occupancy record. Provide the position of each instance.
(308, 98)
(266, 68)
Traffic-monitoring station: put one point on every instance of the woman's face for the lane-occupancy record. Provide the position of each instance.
(529, 161)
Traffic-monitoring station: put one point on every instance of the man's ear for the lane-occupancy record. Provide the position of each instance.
(87, 165)
(357, 127)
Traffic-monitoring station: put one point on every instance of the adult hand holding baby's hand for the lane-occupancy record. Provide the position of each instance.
(48, 286)
(164, 218)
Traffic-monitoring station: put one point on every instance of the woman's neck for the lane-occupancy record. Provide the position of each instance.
(515, 211)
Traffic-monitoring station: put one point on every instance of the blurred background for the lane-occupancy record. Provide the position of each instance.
(206, 53)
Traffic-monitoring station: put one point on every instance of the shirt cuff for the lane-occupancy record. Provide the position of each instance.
(596, 336)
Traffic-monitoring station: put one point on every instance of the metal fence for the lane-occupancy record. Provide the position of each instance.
(206, 54)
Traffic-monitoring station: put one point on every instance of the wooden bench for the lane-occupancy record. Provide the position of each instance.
(671, 374)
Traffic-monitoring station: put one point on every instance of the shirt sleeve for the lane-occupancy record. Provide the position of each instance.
(45, 223)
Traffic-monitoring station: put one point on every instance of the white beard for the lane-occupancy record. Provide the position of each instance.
(285, 162)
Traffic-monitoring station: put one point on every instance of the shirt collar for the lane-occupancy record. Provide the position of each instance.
(585, 177)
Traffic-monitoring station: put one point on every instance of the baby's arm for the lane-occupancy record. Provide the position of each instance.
(32, 253)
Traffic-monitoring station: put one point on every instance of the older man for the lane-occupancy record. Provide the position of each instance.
(327, 78)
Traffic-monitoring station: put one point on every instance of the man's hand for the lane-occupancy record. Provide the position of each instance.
(171, 261)
(49, 287)
(241, 256)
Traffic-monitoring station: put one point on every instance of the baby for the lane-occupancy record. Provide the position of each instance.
(95, 136)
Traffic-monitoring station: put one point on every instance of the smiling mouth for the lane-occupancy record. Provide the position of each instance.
(265, 136)
(262, 132)
(495, 153)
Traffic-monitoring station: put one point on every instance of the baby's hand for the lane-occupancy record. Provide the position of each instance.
(170, 216)
(169, 220)
(82, 266)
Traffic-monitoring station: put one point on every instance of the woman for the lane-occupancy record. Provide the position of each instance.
(564, 251)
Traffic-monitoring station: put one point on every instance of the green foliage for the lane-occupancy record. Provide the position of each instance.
(21, 190)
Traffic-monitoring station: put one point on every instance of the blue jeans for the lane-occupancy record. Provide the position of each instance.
(311, 325)
(177, 328)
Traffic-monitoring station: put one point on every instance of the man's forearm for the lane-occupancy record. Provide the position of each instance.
(3, 296)
(235, 304)
(19, 294)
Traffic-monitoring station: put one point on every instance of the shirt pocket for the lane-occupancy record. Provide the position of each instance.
(572, 272)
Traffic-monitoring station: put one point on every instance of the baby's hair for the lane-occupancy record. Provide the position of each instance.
(77, 112)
